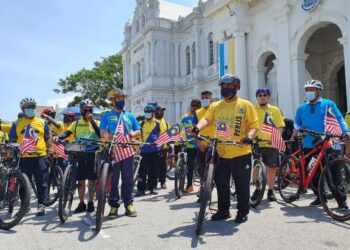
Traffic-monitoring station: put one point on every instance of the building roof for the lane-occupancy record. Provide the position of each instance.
(172, 11)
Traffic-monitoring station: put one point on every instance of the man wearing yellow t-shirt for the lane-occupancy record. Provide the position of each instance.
(240, 116)
(209, 131)
(3, 134)
(32, 162)
(269, 154)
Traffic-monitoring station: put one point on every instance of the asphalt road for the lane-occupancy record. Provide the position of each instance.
(164, 222)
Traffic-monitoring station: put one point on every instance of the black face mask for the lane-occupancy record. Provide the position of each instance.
(262, 104)
(227, 92)
(159, 116)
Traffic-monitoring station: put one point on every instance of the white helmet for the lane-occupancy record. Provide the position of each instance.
(314, 84)
(27, 102)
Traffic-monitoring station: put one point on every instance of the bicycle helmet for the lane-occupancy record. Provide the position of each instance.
(49, 112)
(149, 109)
(230, 79)
(262, 90)
(84, 104)
(115, 93)
(314, 84)
(25, 102)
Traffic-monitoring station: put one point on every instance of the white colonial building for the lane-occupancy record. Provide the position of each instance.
(171, 52)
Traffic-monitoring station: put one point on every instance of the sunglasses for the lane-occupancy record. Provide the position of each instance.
(262, 95)
(195, 106)
(88, 110)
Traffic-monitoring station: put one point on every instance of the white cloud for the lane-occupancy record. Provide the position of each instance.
(61, 102)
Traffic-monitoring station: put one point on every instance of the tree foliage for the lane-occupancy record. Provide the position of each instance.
(94, 84)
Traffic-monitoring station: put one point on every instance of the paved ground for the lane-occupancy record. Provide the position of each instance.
(168, 223)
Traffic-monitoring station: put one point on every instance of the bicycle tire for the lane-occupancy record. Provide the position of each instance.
(340, 187)
(33, 185)
(179, 185)
(101, 195)
(20, 178)
(56, 176)
(232, 187)
(65, 200)
(136, 167)
(259, 183)
(204, 198)
(289, 179)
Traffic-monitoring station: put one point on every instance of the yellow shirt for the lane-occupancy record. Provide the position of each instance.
(347, 119)
(3, 137)
(56, 131)
(83, 129)
(38, 127)
(5, 128)
(208, 131)
(71, 137)
(277, 119)
(240, 116)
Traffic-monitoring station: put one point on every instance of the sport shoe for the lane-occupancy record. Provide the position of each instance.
(271, 196)
(153, 192)
(189, 189)
(241, 219)
(113, 213)
(130, 211)
(316, 203)
(163, 186)
(80, 208)
(343, 206)
(140, 193)
(221, 215)
(90, 207)
(255, 195)
(41, 210)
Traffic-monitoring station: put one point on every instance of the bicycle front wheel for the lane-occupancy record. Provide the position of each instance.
(334, 189)
(101, 195)
(55, 179)
(257, 183)
(68, 186)
(205, 195)
(14, 199)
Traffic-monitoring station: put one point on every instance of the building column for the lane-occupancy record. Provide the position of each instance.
(256, 81)
(298, 78)
(241, 62)
(346, 49)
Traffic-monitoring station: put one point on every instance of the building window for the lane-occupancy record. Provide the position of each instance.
(193, 55)
(211, 49)
(188, 60)
(138, 70)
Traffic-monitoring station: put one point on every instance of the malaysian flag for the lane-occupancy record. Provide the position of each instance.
(223, 130)
(173, 134)
(331, 124)
(276, 137)
(29, 142)
(59, 149)
(120, 152)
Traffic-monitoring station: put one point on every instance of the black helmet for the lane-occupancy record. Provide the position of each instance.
(149, 109)
(230, 79)
(262, 90)
(84, 104)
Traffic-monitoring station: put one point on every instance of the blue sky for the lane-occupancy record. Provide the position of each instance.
(42, 41)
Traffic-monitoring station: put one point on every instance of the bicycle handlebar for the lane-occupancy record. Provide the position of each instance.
(233, 143)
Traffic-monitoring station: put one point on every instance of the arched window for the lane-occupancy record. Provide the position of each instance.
(188, 60)
(211, 49)
(193, 55)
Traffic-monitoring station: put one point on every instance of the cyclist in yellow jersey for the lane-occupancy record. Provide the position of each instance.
(68, 119)
(3, 135)
(32, 162)
(209, 131)
(84, 128)
(159, 116)
(270, 155)
(240, 116)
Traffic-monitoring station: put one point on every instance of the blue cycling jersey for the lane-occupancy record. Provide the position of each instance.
(312, 116)
(109, 122)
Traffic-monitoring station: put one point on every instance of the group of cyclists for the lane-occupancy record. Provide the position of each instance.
(243, 120)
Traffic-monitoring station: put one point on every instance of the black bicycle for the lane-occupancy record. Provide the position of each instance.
(69, 183)
(55, 179)
(207, 183)
(14, 188)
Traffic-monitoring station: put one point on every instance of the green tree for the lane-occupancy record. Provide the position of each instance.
(94, 84)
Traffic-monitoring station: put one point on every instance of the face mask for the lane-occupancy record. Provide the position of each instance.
(226, 92)
(29, 112)
(148, 115)
(120, 104)
(310, 95)
(205, 102)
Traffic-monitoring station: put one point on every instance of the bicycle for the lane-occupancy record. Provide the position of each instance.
(55, 179)
(69, 183)
(207, 183)
(14, 189)
(171, 162)
(334, 182)
(106, 171)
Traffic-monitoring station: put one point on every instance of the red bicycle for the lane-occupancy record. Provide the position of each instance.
(334, 181)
